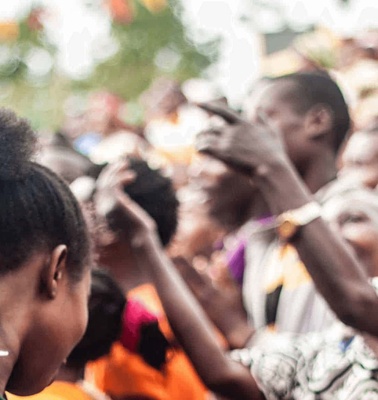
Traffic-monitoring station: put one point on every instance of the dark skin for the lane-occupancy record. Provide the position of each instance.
(187, 319)
(229, 199)
(306, 135)
(114, 249)
(116, 254)
(222, 303)
(259, 149)
(306, 138)
(339, 277)
(48, 298)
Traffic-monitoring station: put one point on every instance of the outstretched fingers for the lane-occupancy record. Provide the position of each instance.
(220, 109)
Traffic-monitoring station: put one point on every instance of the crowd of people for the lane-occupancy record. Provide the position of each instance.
(211, 253)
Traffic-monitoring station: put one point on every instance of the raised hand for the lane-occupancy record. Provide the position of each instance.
(242, 145)
(123, 215)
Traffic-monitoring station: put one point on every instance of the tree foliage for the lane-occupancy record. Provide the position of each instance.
(151, 45)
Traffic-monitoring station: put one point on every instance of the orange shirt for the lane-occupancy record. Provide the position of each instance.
(57, 391)
(123, 373)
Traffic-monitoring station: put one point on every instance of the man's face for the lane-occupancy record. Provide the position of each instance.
(273, 100)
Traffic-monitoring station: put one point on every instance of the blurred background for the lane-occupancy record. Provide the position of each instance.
(55, 56)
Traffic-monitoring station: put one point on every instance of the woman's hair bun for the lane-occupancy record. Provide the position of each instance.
(18, 143)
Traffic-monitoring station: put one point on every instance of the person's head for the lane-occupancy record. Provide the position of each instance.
(360, 158)
(113, 318)
(310, 111)
(106, 307)
(154, 193)
(354, 215)
(162, 99)
(44, 254)
(226, 193)
(102, 114)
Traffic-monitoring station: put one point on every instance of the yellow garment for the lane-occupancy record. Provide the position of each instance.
(123, 373)
(57, 391)
(285, 268)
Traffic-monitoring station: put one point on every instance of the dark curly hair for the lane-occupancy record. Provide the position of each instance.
(37, 209)
(105, 308)
(107, 305)
(155, 194)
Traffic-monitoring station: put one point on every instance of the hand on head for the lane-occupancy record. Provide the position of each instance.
(121, 212)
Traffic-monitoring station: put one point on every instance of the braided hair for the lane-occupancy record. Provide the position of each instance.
(37, 209)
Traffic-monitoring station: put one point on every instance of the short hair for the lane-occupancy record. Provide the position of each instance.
(310, 89)
(106, 307)
(155, 194)
(37, 209)
(106, 322)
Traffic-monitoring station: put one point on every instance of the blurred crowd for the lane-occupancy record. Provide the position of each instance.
(232, 253)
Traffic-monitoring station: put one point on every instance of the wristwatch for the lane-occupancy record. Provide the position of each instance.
(289, 222)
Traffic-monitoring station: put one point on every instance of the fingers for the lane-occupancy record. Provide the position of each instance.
(126, 177)
(221, 110)
(116, 175)
(208, 142)
(136, 215)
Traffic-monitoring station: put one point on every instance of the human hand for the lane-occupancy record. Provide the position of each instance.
(242, 145)
(123, 215)
(221, 299)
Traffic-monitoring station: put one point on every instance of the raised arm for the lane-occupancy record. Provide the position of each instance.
(258, 151)
(188, 321)
(223, 305)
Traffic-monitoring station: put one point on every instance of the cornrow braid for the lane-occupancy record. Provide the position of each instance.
(37, 209)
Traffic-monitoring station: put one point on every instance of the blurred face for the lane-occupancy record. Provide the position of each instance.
(225, 193)
(57, 327)
(271, 99)
(360, 160)
(64, 163)
(356, 220)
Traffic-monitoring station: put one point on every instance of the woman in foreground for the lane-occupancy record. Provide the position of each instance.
(44, 265)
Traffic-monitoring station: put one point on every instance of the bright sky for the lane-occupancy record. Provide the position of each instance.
(237, 23)
(82, 35)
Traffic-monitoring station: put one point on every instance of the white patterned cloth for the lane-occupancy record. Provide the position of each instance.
(334, 364)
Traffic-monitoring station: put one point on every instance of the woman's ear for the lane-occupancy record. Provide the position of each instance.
(319, 120)
(54, 271)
